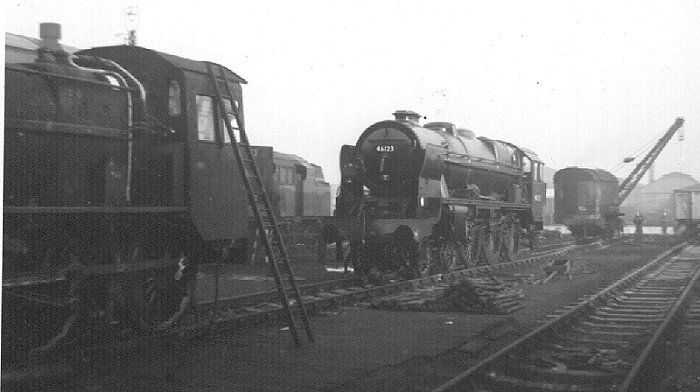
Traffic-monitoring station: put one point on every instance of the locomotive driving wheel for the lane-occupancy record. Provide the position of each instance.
(423, 264)
(449, 257)
(44, 312)
(36, 319)
(403, 256)
(507, 242)
(156, 296)
(485, 246)
(136, 293)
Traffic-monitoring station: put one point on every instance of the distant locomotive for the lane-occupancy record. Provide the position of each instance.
(586, 201)
(300, 186)
(117, 182)
(299, 195)
(422, 199)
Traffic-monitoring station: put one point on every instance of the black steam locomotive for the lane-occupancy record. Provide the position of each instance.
(117, 181)
(419, 199)
(586, 202)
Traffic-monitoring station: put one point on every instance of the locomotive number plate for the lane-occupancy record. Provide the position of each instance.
(385, 148)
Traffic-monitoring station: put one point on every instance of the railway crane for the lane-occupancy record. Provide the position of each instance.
(588, 200)
(643, 166)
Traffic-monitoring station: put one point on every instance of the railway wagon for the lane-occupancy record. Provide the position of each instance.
(416, 199)
(686, 208)
(586, 202)
(117, 181)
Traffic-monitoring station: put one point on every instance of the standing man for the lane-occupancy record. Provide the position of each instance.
(638, 222)
(664, 222)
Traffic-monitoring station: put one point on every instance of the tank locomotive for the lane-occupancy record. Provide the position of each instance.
(421, 199)
(117, 182)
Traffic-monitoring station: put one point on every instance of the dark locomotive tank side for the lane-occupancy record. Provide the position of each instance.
(65, 138)
(118, 180)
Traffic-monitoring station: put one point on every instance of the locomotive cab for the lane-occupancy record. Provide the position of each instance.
(185, 159)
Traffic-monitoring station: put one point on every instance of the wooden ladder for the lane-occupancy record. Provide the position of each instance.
(268, 228)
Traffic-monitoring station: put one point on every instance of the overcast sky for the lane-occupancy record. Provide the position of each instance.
(581, 83)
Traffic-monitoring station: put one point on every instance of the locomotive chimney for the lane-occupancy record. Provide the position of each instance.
(50, 33)
(50, 51)
(407, 116)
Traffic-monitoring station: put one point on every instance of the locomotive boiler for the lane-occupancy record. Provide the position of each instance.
(417, 199)
(117, 181)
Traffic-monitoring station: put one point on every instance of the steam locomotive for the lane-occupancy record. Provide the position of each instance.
(419, 199)
(119, 179)
(586, 202)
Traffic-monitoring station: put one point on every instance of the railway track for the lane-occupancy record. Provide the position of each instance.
(237, 312)
(606, 343)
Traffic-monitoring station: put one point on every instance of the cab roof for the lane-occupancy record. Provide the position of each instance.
(584, 174)
(176, 61)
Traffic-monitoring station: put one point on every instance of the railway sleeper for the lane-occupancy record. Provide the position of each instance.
(646, 302)
(616, 319)
(562, 374)
(622, 311)
(641, 294)
(588, 342)
(669, 276)
(635, 306)
(609, 325)
(501, 382)
(650, 299)
(653, 293)
(653, 284)
(588, 347)
(612, 335)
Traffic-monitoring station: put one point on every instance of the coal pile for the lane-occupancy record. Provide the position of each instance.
(481, 296)
(476, 296)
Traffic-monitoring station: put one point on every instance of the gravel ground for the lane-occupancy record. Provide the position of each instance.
(683, 360)
(590, 271)
(241, 279)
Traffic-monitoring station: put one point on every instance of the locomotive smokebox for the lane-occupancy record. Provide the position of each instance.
(50, 33)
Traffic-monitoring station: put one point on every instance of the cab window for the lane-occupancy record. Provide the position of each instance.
(174, 99)
(232, 118)
(205, 118)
